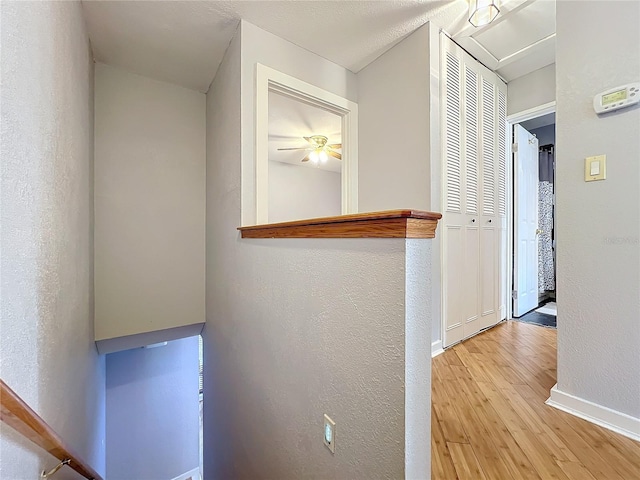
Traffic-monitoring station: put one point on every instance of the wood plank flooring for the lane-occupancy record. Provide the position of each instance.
(489, 420)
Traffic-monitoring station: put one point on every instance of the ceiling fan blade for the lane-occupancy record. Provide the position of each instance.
(335, 145)
(295, 148)
(308, 139)
(305, 159)
(334, 154)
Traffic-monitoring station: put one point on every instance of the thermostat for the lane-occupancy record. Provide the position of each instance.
(617, 98)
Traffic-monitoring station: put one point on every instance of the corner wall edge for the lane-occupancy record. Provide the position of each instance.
(597, 414)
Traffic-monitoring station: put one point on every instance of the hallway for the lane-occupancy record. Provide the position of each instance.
(489, 420)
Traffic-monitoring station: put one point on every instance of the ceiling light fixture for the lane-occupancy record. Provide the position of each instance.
(319, 155)
(319, 149)
(482, 12)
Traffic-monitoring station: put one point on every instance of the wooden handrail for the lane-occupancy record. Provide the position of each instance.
(19, 416)
(387, 224)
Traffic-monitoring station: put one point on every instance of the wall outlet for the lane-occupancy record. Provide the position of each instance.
(329, 433)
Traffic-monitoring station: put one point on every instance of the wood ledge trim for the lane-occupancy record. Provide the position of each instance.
(19, 416)
(387, 224)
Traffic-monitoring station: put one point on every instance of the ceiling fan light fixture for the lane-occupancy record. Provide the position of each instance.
(319, 140)
(483, 12)
(319, 150)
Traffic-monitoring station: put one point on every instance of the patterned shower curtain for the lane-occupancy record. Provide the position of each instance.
(546, 260)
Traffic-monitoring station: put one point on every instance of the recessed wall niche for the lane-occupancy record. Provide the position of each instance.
(306, 150)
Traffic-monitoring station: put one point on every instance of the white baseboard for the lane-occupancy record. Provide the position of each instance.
(194, 474)
(592, 412)
(436, 348)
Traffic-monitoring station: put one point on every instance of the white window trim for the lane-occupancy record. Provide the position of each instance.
(268, 79)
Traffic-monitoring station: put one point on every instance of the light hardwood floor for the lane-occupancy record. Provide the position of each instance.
(489, 420)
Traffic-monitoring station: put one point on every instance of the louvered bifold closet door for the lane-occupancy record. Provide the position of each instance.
(472, 199)
(453, 190)
(502, 134)
(489, 241)
(474, 194)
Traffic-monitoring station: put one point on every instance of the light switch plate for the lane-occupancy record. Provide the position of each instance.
(329, 433)
(595, 168)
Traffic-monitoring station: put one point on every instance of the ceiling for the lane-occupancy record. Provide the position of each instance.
(290, 121)
(520, 40)
(183, 42)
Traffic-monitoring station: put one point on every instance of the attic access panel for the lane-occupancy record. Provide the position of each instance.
(520, 29)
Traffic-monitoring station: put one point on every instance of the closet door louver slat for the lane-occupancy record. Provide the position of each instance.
(471, 140)
(502, 154)
(488, 148)
(452, 131)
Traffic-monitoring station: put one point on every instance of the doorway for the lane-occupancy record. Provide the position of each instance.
(533, 218)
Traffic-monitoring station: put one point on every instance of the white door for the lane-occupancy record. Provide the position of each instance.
(525, 235)
(459, 294)
(489, 235)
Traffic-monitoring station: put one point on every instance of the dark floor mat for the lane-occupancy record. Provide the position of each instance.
(538, 318)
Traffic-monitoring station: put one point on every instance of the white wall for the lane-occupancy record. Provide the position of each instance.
(259, 46)
(149, 205)
(223, 217)
(435, 157)
(399, 135)
(394, 140)
(532, 90)
(598, 223)
(299, 328)
(153, 413)
(297, 192)
(47, 352)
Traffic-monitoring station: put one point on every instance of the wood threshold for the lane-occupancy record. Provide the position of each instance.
(387, 224)
(19, 416)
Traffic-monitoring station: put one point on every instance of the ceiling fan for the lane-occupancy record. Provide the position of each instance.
(319, 150)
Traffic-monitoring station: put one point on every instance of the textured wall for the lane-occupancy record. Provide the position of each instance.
(223, 217)
(598, 222)
(153, 419)
(297, 192)
(417, 355)
(149, 204)
(298, 328)
(263, 47)
(532, 90)
(47, 353)
(394, 143)
(399, 134)
(316, 327)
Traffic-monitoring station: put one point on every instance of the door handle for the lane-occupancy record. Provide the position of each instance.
(538, 231)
